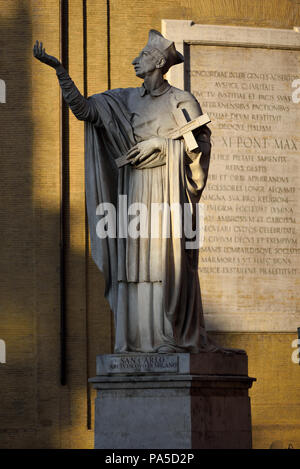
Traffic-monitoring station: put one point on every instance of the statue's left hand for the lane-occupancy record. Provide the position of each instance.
(143, 150)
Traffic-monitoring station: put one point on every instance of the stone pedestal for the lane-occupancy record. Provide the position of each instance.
(172, 401)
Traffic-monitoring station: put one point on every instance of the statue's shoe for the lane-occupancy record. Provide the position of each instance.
(168, 349)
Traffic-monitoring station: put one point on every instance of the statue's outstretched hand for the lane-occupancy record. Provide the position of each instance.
(40, 54)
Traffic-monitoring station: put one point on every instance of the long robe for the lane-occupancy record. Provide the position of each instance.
(152, 284)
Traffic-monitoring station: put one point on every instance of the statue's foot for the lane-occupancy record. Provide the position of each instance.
(167, 349)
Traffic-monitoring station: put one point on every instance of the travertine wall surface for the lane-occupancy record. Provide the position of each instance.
(36, 410)
(243, 78)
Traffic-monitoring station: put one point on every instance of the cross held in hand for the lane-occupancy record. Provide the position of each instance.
(185, 130)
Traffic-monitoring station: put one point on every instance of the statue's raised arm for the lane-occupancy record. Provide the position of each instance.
(81, 107)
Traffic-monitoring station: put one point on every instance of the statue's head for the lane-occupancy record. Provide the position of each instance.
(158, 54)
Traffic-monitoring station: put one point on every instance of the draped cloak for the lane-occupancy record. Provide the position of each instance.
(153, 289)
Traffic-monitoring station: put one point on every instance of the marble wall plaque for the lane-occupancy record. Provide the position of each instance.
(249, 263)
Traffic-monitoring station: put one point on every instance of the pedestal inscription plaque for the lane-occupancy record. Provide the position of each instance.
(249, 263)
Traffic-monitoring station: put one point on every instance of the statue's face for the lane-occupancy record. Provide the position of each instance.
(146, 62)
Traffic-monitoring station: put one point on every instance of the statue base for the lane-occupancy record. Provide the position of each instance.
(172, 401)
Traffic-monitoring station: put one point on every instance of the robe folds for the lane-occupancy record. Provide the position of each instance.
(152, 285)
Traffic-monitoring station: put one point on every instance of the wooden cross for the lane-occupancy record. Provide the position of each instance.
(185, 130)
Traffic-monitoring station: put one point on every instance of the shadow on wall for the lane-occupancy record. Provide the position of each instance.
(33, 404)
(17, 236)
(35, 410)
